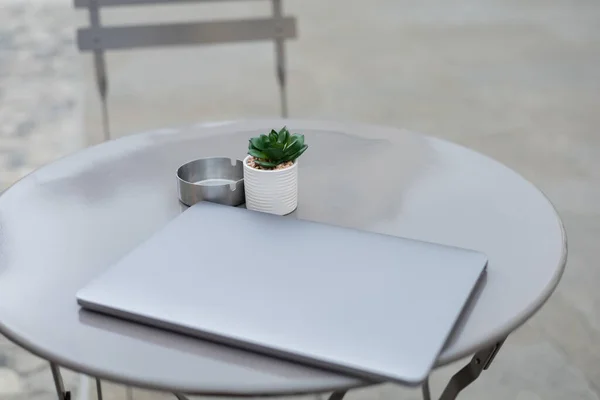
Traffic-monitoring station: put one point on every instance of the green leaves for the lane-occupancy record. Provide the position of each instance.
(257, 143)
(276, 148)
(257, 154)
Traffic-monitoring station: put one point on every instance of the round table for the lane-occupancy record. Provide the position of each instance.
(65, 223)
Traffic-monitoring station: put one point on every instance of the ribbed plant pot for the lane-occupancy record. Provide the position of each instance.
(271, 191)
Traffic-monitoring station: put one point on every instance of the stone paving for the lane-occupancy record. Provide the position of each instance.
(40, 87)
(519, 81)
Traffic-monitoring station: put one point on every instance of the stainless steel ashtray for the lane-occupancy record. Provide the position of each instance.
(215, 179)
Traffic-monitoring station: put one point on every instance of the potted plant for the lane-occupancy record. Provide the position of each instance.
(271, 172)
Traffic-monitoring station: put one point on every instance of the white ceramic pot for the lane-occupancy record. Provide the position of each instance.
(271, 191)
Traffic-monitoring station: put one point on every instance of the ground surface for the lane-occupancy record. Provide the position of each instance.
(519, 81)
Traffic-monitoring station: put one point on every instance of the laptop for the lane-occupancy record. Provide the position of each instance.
(369, 305)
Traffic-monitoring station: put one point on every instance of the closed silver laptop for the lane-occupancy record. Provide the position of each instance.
(374, 306)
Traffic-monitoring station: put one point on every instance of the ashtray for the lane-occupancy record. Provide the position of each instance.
(215, 179)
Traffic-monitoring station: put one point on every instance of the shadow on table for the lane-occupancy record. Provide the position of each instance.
(198, 347)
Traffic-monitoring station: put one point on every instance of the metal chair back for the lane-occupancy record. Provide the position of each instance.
(98, 39)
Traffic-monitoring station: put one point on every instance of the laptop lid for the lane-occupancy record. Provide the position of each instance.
(374, 306)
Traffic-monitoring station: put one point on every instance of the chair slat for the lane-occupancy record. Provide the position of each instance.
(182, 34)
(116, 3)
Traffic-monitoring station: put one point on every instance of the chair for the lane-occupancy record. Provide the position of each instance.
(98, 38)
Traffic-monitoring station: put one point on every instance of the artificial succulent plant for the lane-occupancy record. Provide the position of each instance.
(276, 148)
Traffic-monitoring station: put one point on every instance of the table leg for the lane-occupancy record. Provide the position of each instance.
(58, 383)
(99, 388)
(425, 390)
(339, 395)
(60, 387)
(467, 375)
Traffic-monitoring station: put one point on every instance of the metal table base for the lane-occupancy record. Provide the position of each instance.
(459, 381)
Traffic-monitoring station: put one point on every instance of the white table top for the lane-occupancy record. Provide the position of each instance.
(63, 224)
